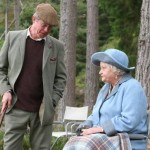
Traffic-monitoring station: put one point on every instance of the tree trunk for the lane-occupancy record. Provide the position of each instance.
(69, 95)
(91, 82)
(70, 51)
(143, 61)
(67, 35)
(17, 10)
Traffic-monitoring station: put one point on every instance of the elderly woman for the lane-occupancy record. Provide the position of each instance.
(121, 105)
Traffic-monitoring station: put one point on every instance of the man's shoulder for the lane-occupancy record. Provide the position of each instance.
(16, 36)
(17, 32)
(56, 41)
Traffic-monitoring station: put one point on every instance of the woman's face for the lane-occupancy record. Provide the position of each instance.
(106, 73)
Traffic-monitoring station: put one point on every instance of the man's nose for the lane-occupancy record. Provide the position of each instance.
(47, 29)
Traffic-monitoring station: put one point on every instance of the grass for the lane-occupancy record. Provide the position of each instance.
(25, 141)
(58, 146)
(1, 140)
(60, 143)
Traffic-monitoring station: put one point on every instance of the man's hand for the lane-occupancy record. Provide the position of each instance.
(6, 101)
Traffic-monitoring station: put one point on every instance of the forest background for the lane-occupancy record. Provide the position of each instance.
(118, 27)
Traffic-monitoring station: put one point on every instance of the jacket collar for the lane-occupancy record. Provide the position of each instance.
(48, 50)
(124, 78)
(48, 47)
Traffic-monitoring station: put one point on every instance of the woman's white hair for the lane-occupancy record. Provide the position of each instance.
(116, 70)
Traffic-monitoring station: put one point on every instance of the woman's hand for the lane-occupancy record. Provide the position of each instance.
(92, 130)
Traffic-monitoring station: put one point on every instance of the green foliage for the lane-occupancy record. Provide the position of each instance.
(81, 50)
(124, 22)
(60, 143)
(1, 140)
(1, 43)
(80, 67)
(80, 84)
(124, 19)
(80, 79)
(81, 36)
(119, 23)
(112, 43)
(26, 16)
(81, 14)
(104, 28)
(26, 145)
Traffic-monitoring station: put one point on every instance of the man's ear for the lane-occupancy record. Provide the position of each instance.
(33, 19)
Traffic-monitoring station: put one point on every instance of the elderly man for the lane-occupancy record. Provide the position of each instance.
(32, 80)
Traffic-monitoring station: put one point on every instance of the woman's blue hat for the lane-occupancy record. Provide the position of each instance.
(114, 57)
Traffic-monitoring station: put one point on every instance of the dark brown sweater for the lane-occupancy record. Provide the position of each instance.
(29, 85)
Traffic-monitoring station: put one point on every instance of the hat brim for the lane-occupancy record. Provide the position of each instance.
(103, 57)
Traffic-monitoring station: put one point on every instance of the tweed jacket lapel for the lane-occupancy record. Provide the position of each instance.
(48, 50)
(17, 56)
(22, 46)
